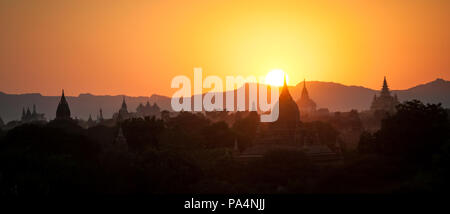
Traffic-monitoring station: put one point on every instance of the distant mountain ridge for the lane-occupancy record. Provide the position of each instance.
(334, 96)
(81, 106)
(338, 97)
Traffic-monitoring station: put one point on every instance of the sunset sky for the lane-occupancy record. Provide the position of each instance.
(137, 47)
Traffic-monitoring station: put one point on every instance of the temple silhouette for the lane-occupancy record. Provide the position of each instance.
(142, 111)
(28, 116)
(287, 133)
(291, 131)
(283, 130)
(385, 102)
(100, 116)
(63, 110)
(305, 104)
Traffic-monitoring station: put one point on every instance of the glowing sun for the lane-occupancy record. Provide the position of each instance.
(276, 77)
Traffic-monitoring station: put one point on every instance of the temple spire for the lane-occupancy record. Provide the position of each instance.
(63, 110)
(101, 114)
(124, 105)
(63, 98)
(305, 94)
(62, 95)
(28, 112)
(285, 90)
(385, 101)
(385, 90)
(34, 109)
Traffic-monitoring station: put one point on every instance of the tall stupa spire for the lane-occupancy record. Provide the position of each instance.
(288, 110)
(124, 106)
(285, 90)
(63, 110)
(305, 104)
(385, 90)
(384, 102)
(305, 94)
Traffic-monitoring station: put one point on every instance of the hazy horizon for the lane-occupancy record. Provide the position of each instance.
(67, 93)
(137, 47)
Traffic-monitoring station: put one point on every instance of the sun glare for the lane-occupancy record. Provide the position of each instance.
(276, 77)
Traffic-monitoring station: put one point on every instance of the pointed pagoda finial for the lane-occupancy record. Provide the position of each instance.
(100, 116)
(305, 95)
(284, 76)
(63, 110)
(123, 109)
(63, 98)
(28, 112)
(385, 89)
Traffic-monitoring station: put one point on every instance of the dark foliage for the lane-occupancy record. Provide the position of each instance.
(321, 132)
(195, 131)
(418, 137)
(367, 143)
(46, 160)
(245, 129)
(415, 132)
(191, 154)
(142, 133)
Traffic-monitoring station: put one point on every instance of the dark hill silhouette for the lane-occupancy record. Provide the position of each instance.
(334, 96)
(432, 92)
(338, 97)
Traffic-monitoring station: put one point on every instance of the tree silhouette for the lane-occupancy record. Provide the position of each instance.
(415, 132)
(245, 129)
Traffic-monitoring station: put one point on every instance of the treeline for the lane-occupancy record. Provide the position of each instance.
(192, 154)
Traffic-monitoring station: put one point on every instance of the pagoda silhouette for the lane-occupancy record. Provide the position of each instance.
(63, 110)
(385, 102)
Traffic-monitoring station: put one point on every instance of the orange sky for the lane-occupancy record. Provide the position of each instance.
(137, 47)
